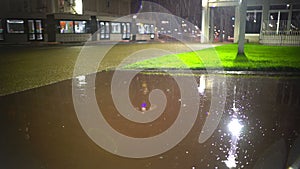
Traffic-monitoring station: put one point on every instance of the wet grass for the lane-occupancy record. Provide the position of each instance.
(257, 57)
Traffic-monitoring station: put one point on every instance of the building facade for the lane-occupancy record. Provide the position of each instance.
(275, 22)
(27, 21)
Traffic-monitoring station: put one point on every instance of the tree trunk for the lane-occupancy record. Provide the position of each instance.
(243, 13)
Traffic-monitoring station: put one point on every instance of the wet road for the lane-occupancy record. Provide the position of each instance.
(242, 122)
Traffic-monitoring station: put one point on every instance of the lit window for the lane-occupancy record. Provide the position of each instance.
(30, 26)
(125, 30)
(15, 26)
(151, 28)
(66, 27)
(253, 21)
(1, 30)
(115, 27)
(78, 6)
(147, 28)
(31, 30)
(35, 30)
(107, 30)
(38, 26)
(104, 30)
(141, 28)
(295, 20)
(80, 26)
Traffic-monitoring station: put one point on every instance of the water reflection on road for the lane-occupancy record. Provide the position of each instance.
(258, 128)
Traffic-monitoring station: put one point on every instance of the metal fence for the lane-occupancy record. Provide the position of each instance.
(282, 38)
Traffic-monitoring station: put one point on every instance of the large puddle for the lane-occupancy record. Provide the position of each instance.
(240, 122)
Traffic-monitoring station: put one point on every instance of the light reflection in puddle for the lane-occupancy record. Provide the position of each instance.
(81, 80)
(202, 84)
(262, 111)
(235, 128)
(81, 83)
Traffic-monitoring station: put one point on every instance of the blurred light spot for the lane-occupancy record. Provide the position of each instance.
(230, 162)
(81, 80)
(235, 127)
(201, 87)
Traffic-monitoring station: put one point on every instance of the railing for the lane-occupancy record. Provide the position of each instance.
(281, 38)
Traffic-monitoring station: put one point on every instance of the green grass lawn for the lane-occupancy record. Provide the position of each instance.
(258, 57)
